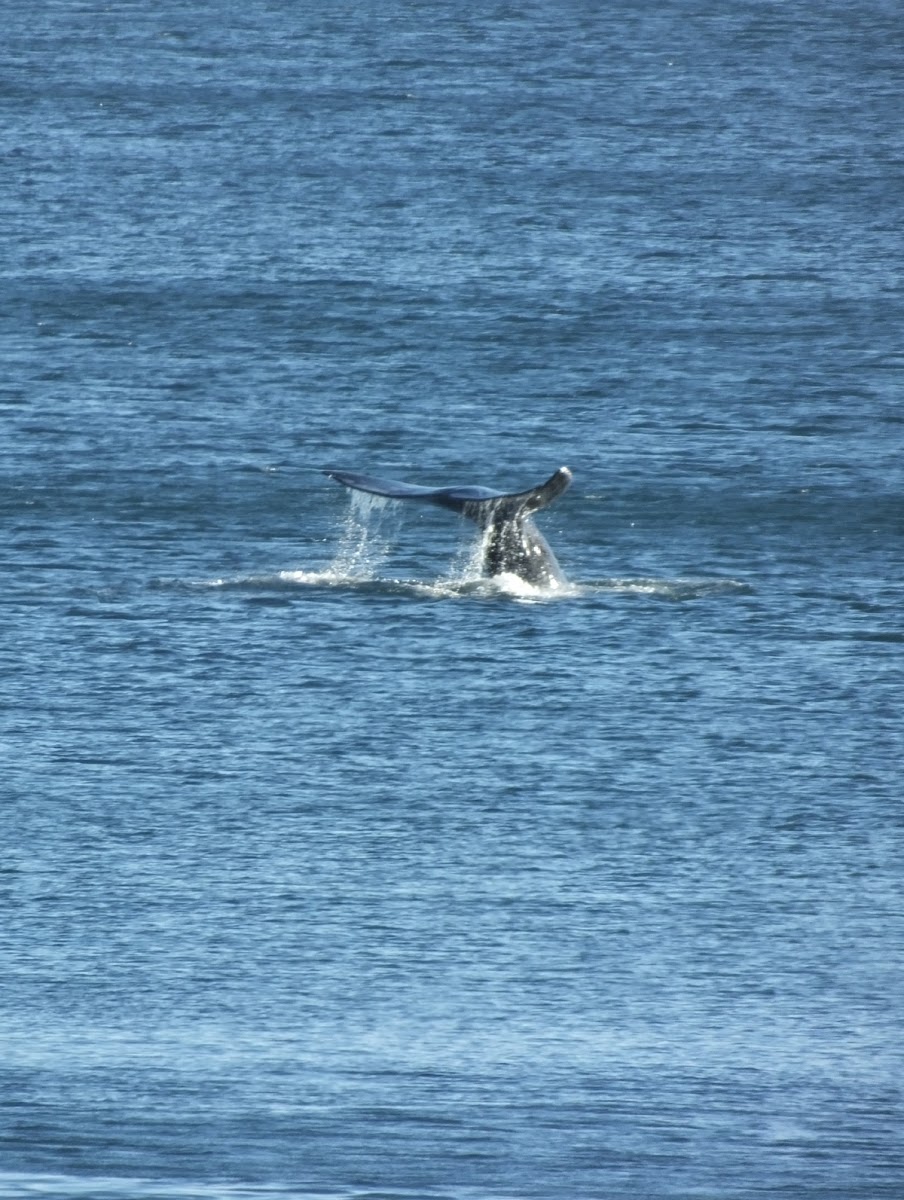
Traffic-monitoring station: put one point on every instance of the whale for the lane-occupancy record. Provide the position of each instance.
(512, 544)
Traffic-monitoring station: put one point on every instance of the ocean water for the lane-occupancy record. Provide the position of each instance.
(330, 869)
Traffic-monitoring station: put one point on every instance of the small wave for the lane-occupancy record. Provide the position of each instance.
(19, 1186)
(669, 589)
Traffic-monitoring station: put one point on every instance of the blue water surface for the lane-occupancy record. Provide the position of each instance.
(332, 869)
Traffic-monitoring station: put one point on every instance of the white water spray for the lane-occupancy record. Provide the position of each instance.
(366, 537)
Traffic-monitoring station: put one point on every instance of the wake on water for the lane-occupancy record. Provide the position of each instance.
(366, 540)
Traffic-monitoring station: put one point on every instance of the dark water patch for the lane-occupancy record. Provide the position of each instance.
(857, 635)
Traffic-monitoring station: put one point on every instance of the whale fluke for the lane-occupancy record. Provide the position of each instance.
(512, 542)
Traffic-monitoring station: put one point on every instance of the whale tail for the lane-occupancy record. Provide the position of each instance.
(512, 542)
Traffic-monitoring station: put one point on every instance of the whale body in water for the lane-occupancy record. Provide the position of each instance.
(512, 542)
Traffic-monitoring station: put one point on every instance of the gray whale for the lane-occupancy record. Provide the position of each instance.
(513, 544)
